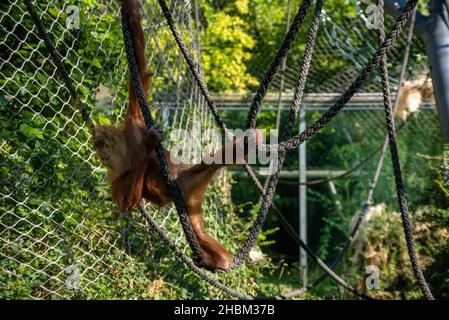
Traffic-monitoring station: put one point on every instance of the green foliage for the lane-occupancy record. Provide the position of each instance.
(226, 47)
(382, 243)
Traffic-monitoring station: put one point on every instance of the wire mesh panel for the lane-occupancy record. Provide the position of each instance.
(60, 235)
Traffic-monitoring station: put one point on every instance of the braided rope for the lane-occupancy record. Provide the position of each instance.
(283, 70)
(208, 98)
(355, 85)
(135, 78)
(375, 178)
(188, 262)
(205, 92)
(273, 180)
(268, 196)
(293, 142)
(173, 187)
(160, 153)
(281, 54)
(400, 190)
(294, 109)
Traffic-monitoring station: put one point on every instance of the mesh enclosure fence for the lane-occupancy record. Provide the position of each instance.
(60, 235)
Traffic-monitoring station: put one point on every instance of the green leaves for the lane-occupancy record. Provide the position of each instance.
(31, 132)
(226, 48)
(96, 63)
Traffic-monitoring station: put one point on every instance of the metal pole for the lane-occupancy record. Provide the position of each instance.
(437, 48)
(302, 199)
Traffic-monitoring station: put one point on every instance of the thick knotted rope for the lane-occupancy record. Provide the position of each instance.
(172, 186)
(400, 190)
(294, 109)
(355, 85)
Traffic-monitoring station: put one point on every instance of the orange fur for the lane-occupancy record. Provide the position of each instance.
(412, 94)
(134, 171)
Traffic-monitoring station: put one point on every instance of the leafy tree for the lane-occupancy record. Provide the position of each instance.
(227, 47)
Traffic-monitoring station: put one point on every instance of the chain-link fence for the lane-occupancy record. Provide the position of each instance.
(60, 235)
